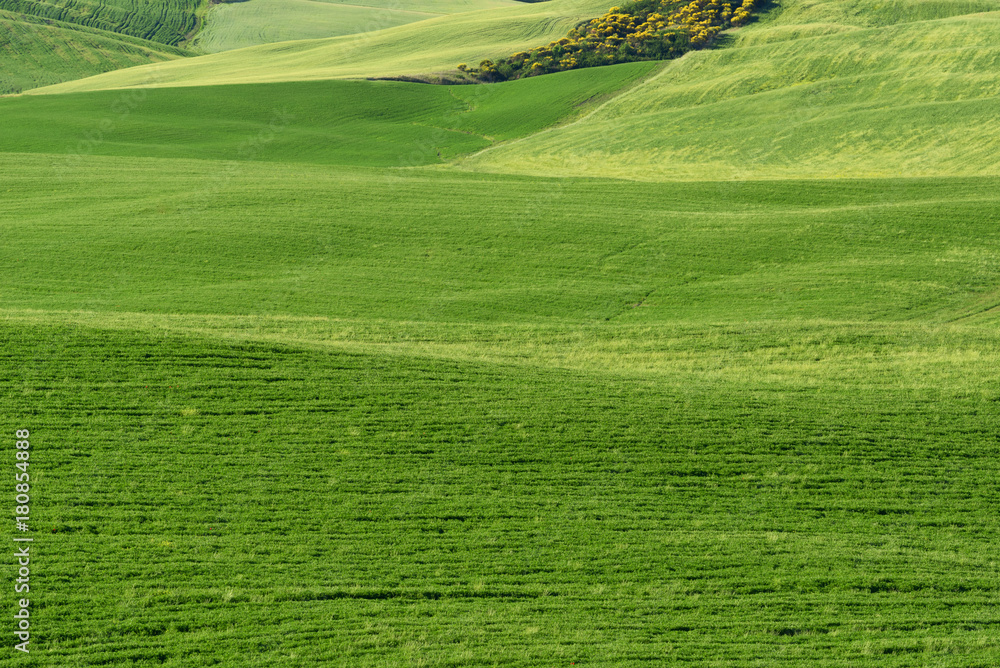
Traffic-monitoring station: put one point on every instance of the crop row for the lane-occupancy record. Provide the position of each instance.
(479, 513)
(164, 21)
(39, 51)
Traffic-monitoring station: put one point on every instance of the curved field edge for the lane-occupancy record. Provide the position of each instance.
(412, 49)
(334, 242)
(875, 356)
(278, 394)
(40, 52)
(374, 123)
(237, 25)
(915, 96)
(467, 495)
(167, 22)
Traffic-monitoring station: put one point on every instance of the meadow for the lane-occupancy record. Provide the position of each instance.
(816, 90)
(241, 24)
(370, 123)
(37, 52)
(433, 45)
(309, 425)
(375, 373)
(46, 43)
(163, 21)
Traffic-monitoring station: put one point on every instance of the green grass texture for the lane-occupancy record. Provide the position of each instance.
(437, 44)
(291, 414)
(164, 21)
(813, 90)
(38, 52)
(303, 392)
(236, 25)
(372, 123)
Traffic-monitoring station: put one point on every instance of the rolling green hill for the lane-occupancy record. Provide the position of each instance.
(372, 123)
(38, 52)
(51, 43)
(235, 25)
(43, 43)
(163, 21)
(489, 419)
(815, 90)
(828, 91)
(601, 368)
(417, 48)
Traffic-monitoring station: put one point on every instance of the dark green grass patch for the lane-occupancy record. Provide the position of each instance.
(213, 237)
(37, 52)
(214, 504)
(498, 421)
(372, 123)
(164, 21)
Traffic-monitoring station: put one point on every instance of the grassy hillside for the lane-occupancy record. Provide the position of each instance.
(371, 123)
(47, 43)
(812, 90)
(817, 90)
(163, 21)
(39, 52)
(851, 252)
(417, 48)
(863, 251)
(307, 385)
(480, 419)
(234, 25)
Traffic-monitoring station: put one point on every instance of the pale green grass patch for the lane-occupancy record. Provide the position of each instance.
(241, 24)
(437, 44)
(913, 95)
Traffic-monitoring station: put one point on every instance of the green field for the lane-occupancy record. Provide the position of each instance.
(370, 123)
(819, 90)
(163, 21)
(44, 43)
(417, 48)
(278, 415)
(656, 364)
(39, 52)
(240, 24)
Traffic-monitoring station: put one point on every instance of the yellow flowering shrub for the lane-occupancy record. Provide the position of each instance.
(640, 30)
